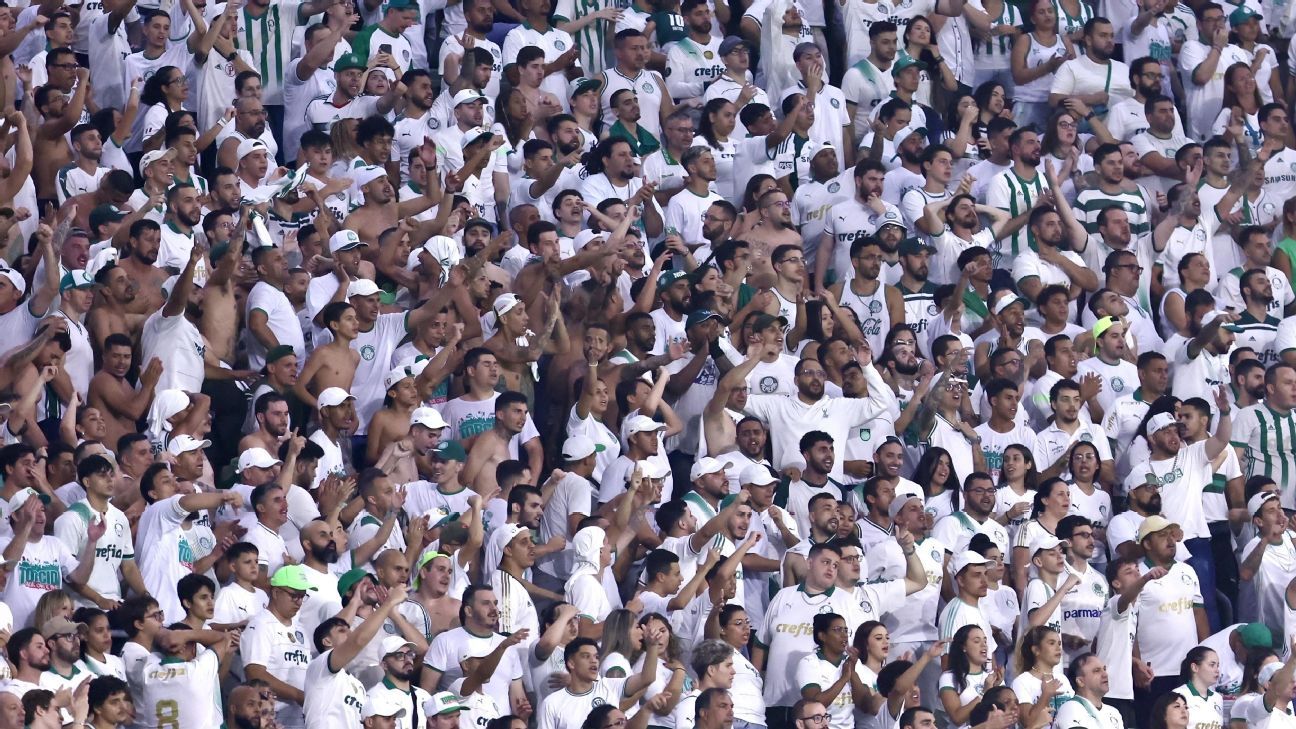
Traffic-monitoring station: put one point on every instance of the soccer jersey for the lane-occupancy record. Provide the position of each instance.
(957, 614)
(566, 710)
(1010, 192)
(333, 698)
(786, 634)
(113, 548)
(181, 693)
(452, 646)
(1078, 713)
(816, 670)
(268, 38)
(284, 651)
(1167, 627)
(1268, 441)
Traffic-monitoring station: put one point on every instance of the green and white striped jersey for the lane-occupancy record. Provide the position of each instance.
(268, 37)
(1089, 203)
(1268, 440)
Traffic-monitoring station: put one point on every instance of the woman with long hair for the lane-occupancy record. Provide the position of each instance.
(559, 625)
(1200, 671)
(935, 474)
(1061, 146)
(873, 644)
(1040, 685)
(670, 670)
(164, 92)
(748, 690)
(756, 187)
(97, 658)
(1052, 503)
(971, 671)
(623, 643)
(514, 124)
(961, 115)
(719, 117)
(1036, 55)
(1242, 102)
(1016, 493)
(935, 78)
(1088, 498)
(1246, 37)
(1194, 274)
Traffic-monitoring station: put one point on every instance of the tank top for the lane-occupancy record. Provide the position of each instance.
(871, 310)
(1037, 55)
(787, 309)
(996, 52)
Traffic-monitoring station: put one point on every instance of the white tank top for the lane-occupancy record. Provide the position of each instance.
(1036, 56)
(871, 310)
(645, 87)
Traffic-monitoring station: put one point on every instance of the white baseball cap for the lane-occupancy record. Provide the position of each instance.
(333, 396)
(256, 458)
(757, 475)
(428, 418)
(643, 424)
(185, 443)
(965, 559)
(1046, 541)
(344, 240)
(899, 503)
(705, 465)
(652, 469)
(394, 377)
(367, 174)
(393, 643)
(1258, 500)
(505, 303)
(157, 154)
(474, 134)
(467, 96)
(17, 500)
(362, 287)
(1160, 422)
(579, 447)
(246, 147)
(382, 704)
(16, 279)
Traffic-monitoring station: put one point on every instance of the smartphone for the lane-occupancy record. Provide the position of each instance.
(385, 48)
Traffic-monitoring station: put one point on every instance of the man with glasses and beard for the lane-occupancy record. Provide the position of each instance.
(400, 667)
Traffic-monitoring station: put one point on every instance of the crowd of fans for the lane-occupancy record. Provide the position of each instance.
(662, 364)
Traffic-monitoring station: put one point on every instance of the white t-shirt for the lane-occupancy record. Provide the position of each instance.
(284, 651)
(43, 566)
(1167, 627)
(452, 646)
(333, 698)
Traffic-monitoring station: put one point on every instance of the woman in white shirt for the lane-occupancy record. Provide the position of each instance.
(1036, 56)
(873, 642)
(1052, 504)
(96, 644)
(935, 474)
(748, 690)
(1040, 685)
(1016, 493)
(1200, 671)
(717, 122)
(971, 672)
(1242, 101)
(622, 644)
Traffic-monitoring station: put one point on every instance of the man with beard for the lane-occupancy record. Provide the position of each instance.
(1055, 233)
(172, 336)
(122, 404)
(83, 175)
(32, 654)
(245, 706)
(772, 230)
(1260, 429)
(613, 173)
(1126, 117)
(380, 210)
(958, 221)
(822, 521)
(917, 293)
(183, 213)
(280, 372)
(478, 637)
(1016, 189)
(347, 101)
(109, 701)
(1127, 412)
(1054, 443)
(853, 220)
(977, 517)
(1094, 80)
(1111, 188)
(272, 649)
(141, 252)
(59, 114)
(1254, 245)
(400, 664)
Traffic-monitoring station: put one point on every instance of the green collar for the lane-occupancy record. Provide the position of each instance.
(827, 593)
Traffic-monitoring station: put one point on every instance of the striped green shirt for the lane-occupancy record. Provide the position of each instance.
(1015, 195)
(268, 38)
(1089, 203)
(1268, 440)
(998, 46)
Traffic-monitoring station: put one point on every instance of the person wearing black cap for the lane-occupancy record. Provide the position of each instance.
(919, 294)
(694, 61)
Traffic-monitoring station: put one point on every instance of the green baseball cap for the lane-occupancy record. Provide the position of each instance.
(904, 61)
(1240, 16)
(349, 61)
(77, 279)
(450, 450)
(349, 579)
(1255, 635)
(292, 577)
(278, 352)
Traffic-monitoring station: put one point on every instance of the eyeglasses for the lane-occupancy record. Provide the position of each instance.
(1066, 125)
(66, 66)
(402, 655)
(73, 637)
(792, 260)
(853, 559)
(979, 490)
(816, 719)
(158, 616)
(780, 204)
(294, 596)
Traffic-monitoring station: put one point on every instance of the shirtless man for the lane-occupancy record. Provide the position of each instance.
(381, 210)
(122, 405)
(220, 322)
(333, 364)
(272, 424)
(109, 314)
(58, 116)
(433, 592)
(491, 448)
(517, 350)
(773, 229)
(144, 237)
